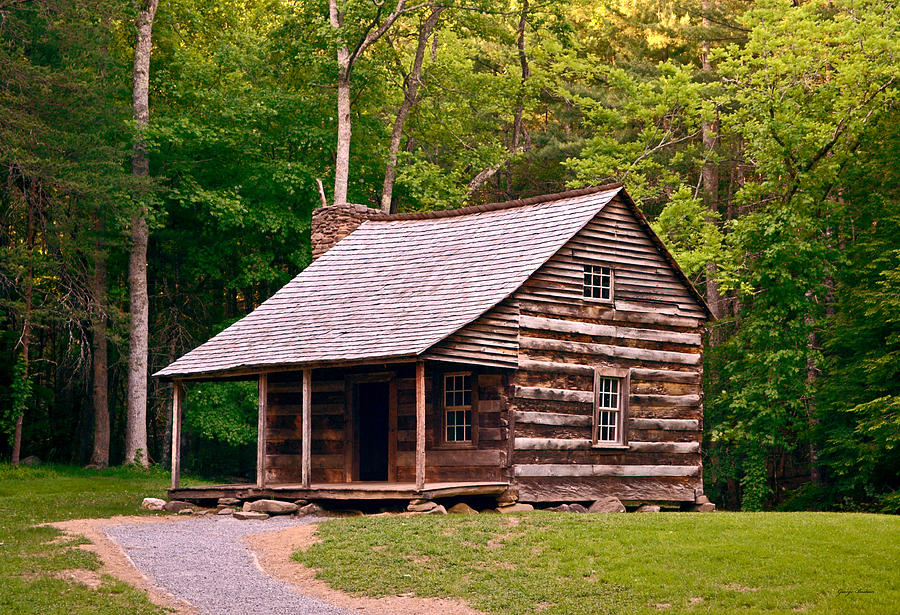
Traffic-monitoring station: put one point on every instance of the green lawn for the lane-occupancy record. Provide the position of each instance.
(27, 563)
(626, 563)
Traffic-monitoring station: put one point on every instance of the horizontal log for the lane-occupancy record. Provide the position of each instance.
(608, 351)
(553, 367)
(564, 469)
(666, 424)
(599, 312)
(584, 397)
(573, 444)
(589, 489)
(665, 375)
(553, 418)
(461, 457)
(681, 401)
(665, 447)
(586, 328)
(489, 433)
(551, 444)
(293, 461)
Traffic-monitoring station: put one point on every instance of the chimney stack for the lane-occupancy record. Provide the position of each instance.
(332, 223)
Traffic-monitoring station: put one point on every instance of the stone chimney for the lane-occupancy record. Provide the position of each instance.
(333, 223)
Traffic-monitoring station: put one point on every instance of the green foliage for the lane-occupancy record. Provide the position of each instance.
(223, 412)
(19, 396)
(797, 229)
(690, 232)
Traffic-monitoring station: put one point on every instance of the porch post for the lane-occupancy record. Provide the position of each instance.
(261, 431)
(307, 428)
(177, 394)
(420, 425)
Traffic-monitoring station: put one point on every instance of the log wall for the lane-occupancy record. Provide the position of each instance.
(653, 327)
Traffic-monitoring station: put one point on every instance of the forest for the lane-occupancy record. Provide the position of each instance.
(161, 159)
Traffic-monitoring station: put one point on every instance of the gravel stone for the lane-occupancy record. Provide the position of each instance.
(204, 561)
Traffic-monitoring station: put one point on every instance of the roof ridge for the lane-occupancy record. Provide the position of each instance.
(375, 215)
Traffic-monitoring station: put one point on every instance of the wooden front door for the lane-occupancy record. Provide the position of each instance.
(373, 433)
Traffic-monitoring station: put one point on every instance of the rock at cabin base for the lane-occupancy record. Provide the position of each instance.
(301, 502)
(437, 510)
(153, 504)
(560, 508)
(701, 499)
(577, 508)
(488, 511)
(226, 511)
(176, 506)
(707, 507)
(515, 508)
(510, 496)
(228, 502)
(421, 506)
(462, 509)
(607, 504)
(250, 516)
(648, 508)
(272, 507)
(185, 511)
(310, 509)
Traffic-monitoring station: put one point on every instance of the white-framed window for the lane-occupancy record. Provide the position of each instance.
(611, 389)
(458, 407)
(598, 283)
(608, 410)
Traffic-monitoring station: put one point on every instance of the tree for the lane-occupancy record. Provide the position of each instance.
(346, 60)
(410, 97)
(136, 427)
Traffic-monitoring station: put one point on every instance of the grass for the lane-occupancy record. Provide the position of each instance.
(553, 563)
(28, 559)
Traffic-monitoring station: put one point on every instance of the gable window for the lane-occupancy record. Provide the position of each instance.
(610, 406)
(458, 407)
(598, 282)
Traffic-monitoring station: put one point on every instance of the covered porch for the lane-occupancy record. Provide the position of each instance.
(364, 432)
(341, 491)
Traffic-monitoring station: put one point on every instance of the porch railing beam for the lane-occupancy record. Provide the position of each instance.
(306, 436)
(177, 394)
(420, 425)
(261, 431)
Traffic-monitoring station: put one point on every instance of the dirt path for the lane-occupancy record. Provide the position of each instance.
(115, 561)
(217, 566)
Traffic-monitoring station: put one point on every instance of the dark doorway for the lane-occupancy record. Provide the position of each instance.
(372, 437)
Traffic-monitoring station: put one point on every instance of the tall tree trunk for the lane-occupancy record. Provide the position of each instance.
(812, 376)
(100, 454)
(346, 60)
(136, 420)
(709, 174)
(526, 73)
(26, 326)
(410, 98)
(344, 132)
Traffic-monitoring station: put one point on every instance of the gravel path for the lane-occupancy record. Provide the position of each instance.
(204, 561)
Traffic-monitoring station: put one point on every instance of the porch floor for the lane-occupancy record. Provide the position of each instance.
(340, 491)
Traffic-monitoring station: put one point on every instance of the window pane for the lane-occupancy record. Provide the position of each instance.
(467, 397)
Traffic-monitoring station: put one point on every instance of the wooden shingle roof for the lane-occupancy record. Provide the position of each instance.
(397, 285)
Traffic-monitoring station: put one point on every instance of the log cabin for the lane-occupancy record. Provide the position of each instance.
(549, 348)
